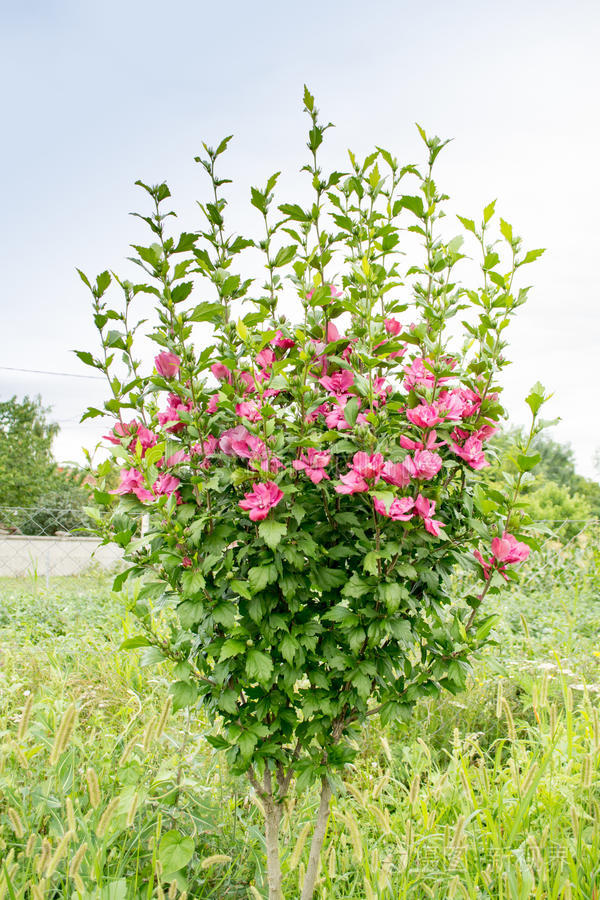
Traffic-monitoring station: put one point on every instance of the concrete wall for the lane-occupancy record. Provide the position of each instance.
(25, 555)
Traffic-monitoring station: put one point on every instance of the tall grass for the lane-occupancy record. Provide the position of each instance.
(494, 794)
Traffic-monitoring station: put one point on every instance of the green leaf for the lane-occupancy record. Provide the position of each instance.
(258, 578)
(231, 648)
(528, 462)
(284, 256)
(174, 851)
(192, 583)
(469, 224)
(356, 587)
(536, 398)
(531, 256)
(224, 614)
(271, 532)
(184, 694)
(506, 231)
(259, 666)
(351, 411)
(133, 643)
(488, 212)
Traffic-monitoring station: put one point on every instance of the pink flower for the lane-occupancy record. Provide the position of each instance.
(186, 562)
(313, 463)
(121, 430)
(381, 389)
(472, 452)
(352, 483)
(165, 485)
(261, 499)
(487, 566)
(249, 410)
(508, 549)
(239, 442)
(400, 508)
(395, 473)
(392, 326)
(211, 406)
(424, 416)
(426, 464)
(171, 416)
(167, 364)
(430, 444)
(417, 375)
(177, 457)
(335, 417)
(339, 383)
(222, 372)
(265, 359)
(205, 448)
(132, 482)
(282, 342)
(368, 466)
(458, 404)
(136, 432)
(426, 508)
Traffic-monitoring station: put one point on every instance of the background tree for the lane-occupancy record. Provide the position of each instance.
(26, 461)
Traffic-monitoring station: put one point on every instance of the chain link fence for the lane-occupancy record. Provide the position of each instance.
(44, 541)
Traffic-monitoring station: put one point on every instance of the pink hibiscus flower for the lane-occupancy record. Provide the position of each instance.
(167, 364)
(261, 499)
(400, 508)
(313, 464)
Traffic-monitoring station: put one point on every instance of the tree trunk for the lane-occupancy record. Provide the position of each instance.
(272, 821)
(312, 870)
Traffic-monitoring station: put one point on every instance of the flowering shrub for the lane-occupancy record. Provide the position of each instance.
(311, 484)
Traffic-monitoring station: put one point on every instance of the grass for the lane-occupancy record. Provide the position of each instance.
(105, 794)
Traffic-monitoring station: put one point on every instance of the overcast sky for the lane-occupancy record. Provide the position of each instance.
(96, 95)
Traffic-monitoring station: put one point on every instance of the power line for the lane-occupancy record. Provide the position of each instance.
(43, 372)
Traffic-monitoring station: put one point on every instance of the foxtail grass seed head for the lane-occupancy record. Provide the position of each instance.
(297, 851)
(453, 887)
(369, 892)
(160, 894)
(536, 854)
(415, 787)
(596, 729)
(456, 741)
(386, 749)
(149, 735)
(331, 862)
(355, 838)
(59, 853)
(15, 822)
(71, 820)
(457, 845)
(77, 859)
(31, 842)
(93, 787)
(499, 699)
(382, 817)
(510, 722)
(217, 859)
(543, 700)
(38, 891)
(164, 715)
(567, 893)
(358, 795)
(106, 817)
(530, 777)
(63, 735)
(78, 882)
(587, 770)
(380, 786)
(44, 856)
(127, 750)
(408, 834)
(569, 699)
(172, 890)
(132, 810)
(25, 717)
(553, 719)
(301, 877)
(466, 787)
(184, 894)
(574, 821)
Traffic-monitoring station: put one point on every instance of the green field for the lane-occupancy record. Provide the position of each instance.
(491, 794)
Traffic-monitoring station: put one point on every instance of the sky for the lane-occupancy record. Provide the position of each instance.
(97, 95)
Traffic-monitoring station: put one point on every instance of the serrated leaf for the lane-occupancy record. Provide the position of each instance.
(231, 648)
(271, 532)
(259, 666)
